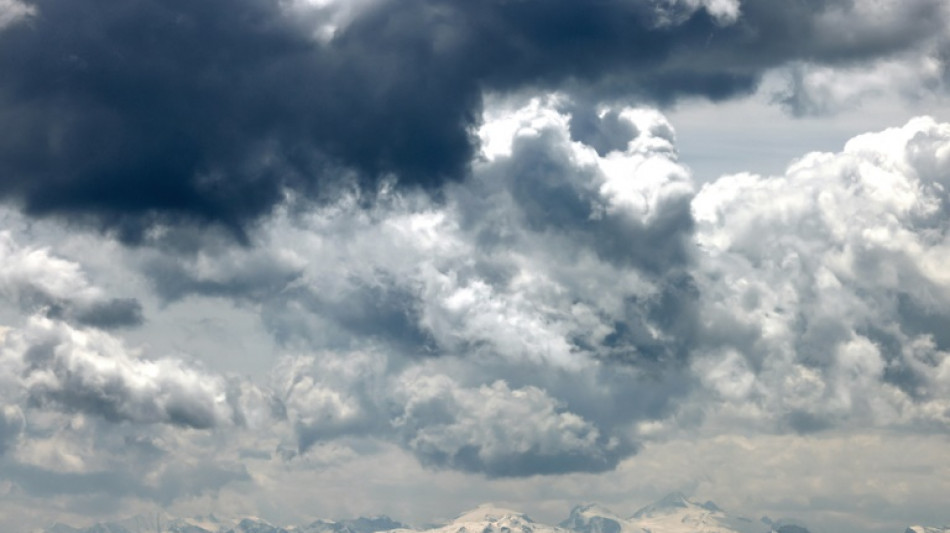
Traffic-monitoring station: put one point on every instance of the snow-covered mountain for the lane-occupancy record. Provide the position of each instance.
(492, 519)
(593, 518)
(673, 514)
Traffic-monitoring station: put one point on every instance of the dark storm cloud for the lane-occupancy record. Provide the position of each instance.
(125, 114)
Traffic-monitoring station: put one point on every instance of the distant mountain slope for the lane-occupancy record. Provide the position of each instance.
(492, 519)
(673, 514)
(593, 518)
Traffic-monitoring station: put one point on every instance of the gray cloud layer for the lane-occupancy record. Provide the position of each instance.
(513, 329)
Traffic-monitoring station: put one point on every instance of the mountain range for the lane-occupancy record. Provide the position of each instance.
(675, 513)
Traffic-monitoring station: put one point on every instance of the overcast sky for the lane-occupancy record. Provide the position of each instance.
(328, 258)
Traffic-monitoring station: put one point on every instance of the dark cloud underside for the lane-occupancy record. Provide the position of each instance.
(124, 114)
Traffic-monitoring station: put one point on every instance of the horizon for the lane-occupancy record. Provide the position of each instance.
(488, 514)
(484, 512)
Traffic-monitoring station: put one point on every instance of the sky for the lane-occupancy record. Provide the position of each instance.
(327, 258)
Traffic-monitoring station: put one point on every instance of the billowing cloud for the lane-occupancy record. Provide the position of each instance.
(335, 396)
(134, 115)
(91, 372)
(570, 300)
(500, 431)
(542, 254)
(835, 270)
(492, 429)
(34, 279)
(801, 303)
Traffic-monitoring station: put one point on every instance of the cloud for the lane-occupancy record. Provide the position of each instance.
(492, 293)
(217, 269)
(490, 290)
(834, 269)
(334, 396)
(13, 11)
(475, 254)
(492, 429)
(35, 279)
(89, 371)
(160, 113)
(548, 249)
(500, 431)
(819, 90)
(576, 299)
(574, 277)
(11, 426)
(108, 488)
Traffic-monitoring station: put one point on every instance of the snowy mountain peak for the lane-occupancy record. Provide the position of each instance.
(675, 513)
(671, 502)
(493, 519)
(922, 529)
(592, 518)
(493, 514)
